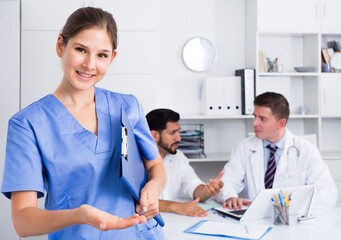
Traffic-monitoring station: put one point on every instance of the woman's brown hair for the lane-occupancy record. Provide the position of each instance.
(89, 17)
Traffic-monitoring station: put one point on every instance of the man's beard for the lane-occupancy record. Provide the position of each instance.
(166, 148)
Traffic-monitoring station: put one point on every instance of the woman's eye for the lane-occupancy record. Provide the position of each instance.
(103, 55)
(80, 50)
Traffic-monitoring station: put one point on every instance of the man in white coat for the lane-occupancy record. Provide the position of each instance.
(182, 182)
(293, 161)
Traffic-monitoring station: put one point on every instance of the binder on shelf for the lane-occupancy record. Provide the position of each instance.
(232, 95)
(212, 96)
(221, 96)
(248, 89)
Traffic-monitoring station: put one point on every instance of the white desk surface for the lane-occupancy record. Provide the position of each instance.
(327, 226)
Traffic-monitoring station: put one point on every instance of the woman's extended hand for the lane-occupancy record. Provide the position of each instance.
(105, 221)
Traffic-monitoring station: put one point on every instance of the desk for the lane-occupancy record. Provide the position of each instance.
(327, 226)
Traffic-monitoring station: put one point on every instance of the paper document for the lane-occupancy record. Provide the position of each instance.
(229, 230)
(208, 206)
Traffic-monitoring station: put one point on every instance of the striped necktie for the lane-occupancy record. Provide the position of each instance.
(271, 170)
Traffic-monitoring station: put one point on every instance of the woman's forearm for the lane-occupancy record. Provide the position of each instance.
(156, 174)
(32, 221)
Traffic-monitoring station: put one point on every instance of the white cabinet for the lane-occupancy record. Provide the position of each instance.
(330, 16)
(331, 90)
(289, 15)
(299, 16)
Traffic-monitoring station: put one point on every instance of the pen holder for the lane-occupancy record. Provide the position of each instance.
(281, 215)
(272, 66)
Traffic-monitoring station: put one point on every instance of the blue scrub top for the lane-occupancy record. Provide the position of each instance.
(48, 150)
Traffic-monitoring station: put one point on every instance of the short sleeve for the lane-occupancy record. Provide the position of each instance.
(23, 163)
(144, 138)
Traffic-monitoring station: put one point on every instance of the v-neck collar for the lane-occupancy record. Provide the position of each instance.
(72, 126)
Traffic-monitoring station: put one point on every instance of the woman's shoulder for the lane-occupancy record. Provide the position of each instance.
(115, 95)
(33, 111)
(128, 101)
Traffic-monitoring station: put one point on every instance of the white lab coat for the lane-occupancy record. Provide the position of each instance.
(245, 171)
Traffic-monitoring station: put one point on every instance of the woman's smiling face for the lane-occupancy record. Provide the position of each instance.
(86, 57)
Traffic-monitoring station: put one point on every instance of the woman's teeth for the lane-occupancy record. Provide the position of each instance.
(85, 75)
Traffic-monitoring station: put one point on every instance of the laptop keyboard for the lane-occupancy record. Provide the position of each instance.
(239, 212)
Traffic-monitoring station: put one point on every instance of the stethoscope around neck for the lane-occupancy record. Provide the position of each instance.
(293, 155)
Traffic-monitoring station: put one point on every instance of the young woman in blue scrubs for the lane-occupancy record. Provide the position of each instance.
(67, 145)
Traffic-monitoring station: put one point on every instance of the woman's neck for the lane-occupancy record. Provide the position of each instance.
(71, 97)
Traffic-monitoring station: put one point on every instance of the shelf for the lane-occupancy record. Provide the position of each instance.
(330, 117)
(330, 73)
(288, 74)
(331, 34)
(309, 116)
(331, 155)
(204, 117)
(285, 33)
(212, 157)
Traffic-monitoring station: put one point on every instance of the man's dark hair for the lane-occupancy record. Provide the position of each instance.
(157, 119)
(276, 102)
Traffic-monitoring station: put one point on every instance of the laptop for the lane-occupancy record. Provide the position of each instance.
(261, 206)
(132, 172)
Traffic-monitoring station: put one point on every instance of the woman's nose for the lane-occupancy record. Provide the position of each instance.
(89, 62)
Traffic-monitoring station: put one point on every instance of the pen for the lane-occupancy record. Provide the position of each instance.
(287, 199)
(218, 213)
(280, 199)
(279, 205)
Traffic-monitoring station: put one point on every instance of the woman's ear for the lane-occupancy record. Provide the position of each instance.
(114, 53)
(59, 46)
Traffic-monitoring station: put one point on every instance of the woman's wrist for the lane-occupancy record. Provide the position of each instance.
(78, 215)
